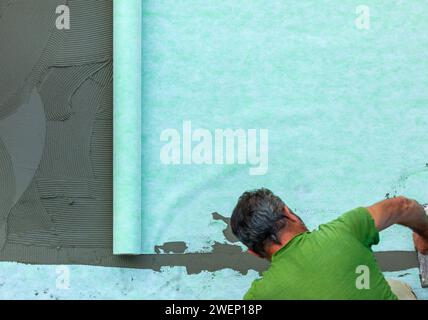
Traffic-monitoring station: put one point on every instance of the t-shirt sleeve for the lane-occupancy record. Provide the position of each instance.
(360, 224)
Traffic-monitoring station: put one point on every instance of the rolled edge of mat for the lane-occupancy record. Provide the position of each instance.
(127, 21)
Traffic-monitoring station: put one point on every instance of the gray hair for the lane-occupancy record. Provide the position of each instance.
(257, 219)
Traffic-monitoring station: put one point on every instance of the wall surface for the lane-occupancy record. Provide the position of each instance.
(55, 138)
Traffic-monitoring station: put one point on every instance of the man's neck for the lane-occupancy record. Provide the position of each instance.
(285, 237)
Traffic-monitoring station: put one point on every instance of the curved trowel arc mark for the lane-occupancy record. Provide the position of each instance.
(26, 43)
(23, 134)
(7, 189)
(22, 137)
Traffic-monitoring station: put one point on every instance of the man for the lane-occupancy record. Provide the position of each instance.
(326, 263)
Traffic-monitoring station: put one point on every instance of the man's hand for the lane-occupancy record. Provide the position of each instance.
(421, 243)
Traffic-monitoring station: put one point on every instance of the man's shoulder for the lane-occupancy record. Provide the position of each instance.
(357, 222)
(358, 215)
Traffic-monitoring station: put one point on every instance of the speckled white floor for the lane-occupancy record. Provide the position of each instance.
(19, 281)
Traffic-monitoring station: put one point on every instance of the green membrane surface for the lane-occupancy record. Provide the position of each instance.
(345, 109)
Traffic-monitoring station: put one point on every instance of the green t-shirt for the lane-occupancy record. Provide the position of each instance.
(324, 264)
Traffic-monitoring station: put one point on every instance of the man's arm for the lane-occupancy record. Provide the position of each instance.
(404, 211)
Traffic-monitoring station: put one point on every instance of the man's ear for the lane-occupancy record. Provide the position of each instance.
(290, 215)
(253, 253)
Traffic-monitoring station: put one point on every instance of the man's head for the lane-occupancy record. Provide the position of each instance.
(261, 219)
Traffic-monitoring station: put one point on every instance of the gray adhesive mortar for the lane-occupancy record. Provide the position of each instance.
(64, 215)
